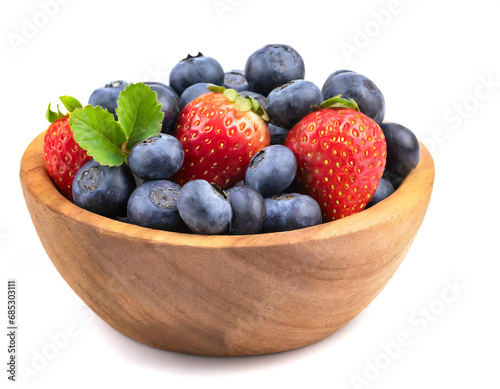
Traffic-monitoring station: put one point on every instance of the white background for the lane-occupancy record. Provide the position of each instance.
(429, 58)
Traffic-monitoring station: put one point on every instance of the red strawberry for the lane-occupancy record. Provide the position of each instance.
(63, 156)
(220, 133)
(341, 156)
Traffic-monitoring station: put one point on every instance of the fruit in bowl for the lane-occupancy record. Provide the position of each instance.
(228, 245)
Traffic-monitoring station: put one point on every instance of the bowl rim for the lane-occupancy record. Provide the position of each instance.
(38, 185)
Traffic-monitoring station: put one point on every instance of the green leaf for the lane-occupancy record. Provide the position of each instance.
(255, 103)
(216, 88)
(231, 95)
(70, 103)
(139, 113)
(242, 103)
(96, 131)
(53, 116)
(263, 113)
(59, 113)
(337, 102)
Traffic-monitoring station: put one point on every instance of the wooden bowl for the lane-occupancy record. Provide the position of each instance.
(226, 295)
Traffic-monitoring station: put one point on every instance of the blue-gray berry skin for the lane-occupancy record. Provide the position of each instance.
(192, 93)
(288, 212)
(249, 210)
(355, 86)
(138, 180)
(164, 86)
(235, 79)
(335, 74)
(257, 96)
(204, 209)
(156, 158)
(103, 189)
(278, 134)
(272, 66)
(384, 190)
(107, 96)
(289, 103)
(271, 170)
(193, 70)
(154, 205)
(394, 179)
(169, 106)
(403, 150)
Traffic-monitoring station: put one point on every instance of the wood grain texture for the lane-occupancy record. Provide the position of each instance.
(226, 295)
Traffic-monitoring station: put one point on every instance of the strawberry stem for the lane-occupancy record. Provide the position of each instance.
(53, 116)
(338, 102)
(125, 149)
(70, 103)
(242, 103)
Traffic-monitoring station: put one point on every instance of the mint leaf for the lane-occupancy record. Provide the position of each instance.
(70, 103)
(106, 140)
(96, 131)
(139, 113)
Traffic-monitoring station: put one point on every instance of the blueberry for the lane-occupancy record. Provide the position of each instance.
(122, 219)
(394, 179)
(257, 96)
(103, 189)
(335, 74)
(290, 212)
(249, 210)
(138, 180)
(290, 102)
(384, 190)
(272, 66)
(150, 83)
(403, 150)
(271, 170)
(235, 79)
(239, 183)
(359, 88)
(192, 93)
(169, 106)
(278, 134)
(107, 96)
(193, 70)
(204, 208)
(157, 158)
(154, 205)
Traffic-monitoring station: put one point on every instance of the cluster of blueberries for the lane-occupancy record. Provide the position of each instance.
(253, 206)
(259, 204)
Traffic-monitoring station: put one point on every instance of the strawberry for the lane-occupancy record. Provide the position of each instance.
(220, 133)
(341, 156)
(63, 156)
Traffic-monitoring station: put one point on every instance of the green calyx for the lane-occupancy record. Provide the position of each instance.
(246, 103)
(70, 103)
(338, 102)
